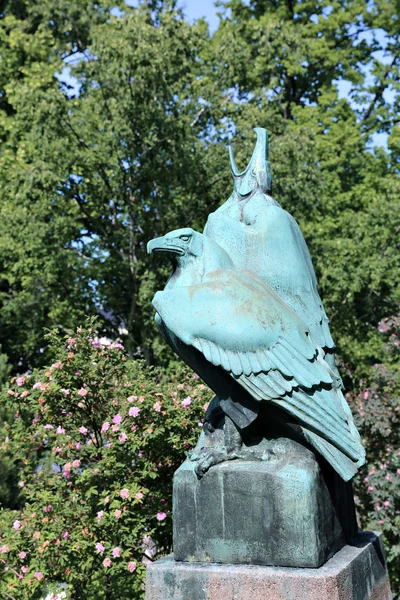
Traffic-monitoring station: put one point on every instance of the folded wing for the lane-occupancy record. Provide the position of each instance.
(240, 324)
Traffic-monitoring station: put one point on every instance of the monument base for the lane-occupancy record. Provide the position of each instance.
(285, 511)
(357, 572)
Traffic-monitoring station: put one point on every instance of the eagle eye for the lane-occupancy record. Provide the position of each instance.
(184, 238)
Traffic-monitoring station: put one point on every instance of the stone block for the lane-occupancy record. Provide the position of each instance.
(269, 512)
(357, 572)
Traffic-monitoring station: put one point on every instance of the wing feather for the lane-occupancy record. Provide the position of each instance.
(266, 348)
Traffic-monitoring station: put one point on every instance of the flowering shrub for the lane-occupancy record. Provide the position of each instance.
(377, 487)
(95, 440)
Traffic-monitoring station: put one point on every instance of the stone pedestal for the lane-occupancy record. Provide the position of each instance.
(357, 572)
(286, 511)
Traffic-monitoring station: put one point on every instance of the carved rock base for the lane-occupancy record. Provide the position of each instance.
(288, 511)
(356, 572)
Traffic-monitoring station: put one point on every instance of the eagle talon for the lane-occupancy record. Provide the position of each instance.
(210, 457)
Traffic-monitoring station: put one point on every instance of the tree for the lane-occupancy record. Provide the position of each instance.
(89, 174)
(284, 60)
(88, 179)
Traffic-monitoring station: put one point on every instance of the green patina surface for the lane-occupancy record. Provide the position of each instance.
(242, 308)
(276, 512)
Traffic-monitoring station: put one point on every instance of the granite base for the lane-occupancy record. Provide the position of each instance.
(357, 572)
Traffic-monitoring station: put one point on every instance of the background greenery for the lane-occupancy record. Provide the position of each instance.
(114, 122)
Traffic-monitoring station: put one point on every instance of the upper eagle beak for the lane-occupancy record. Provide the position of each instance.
(165, 245)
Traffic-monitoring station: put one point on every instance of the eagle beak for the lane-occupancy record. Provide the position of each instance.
(166, 246)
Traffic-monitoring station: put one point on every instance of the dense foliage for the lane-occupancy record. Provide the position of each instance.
(136, 147)
(377, 412)
(95, 440)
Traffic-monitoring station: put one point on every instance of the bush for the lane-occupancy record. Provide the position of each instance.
(95, 440)
(377, 411)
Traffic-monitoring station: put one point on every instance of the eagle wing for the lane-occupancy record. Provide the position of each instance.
(239, 323)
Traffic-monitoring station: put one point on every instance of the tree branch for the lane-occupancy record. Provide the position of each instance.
(381, 88)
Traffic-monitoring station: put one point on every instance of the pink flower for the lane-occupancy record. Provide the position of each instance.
(139, 496)
(24, 569)
(100, 515)
(64, 391)
(131, 567)
(122, 437)
(115, 428)
(83, 430)
(134, 411)
(48, 508)
(21, 484)
(157, 406)
(105, 427)
(38, 575)
(82, 392)
(4, 549)
(117, 419)
(398, 471)
(66, 535)
(60, 430)
(48, 426)
(22, 555)
(76, 464)
(78, 446)
(180, 386)
(161, 516)
(56, 365)
(132, 398)
(186, 402)
(134, 427)
(107, 562)
(124, 493)
(36, 535)
(116, 552)
(366, 395)
(17, 525)
(371, 488)
(37, 385)
(21, 381)
(99, 547)
(386, 503)
(117, 514)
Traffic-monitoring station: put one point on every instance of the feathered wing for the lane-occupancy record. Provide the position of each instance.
(240, 324)
(282, 258)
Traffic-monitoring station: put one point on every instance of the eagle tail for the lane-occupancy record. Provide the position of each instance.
(342, 464)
